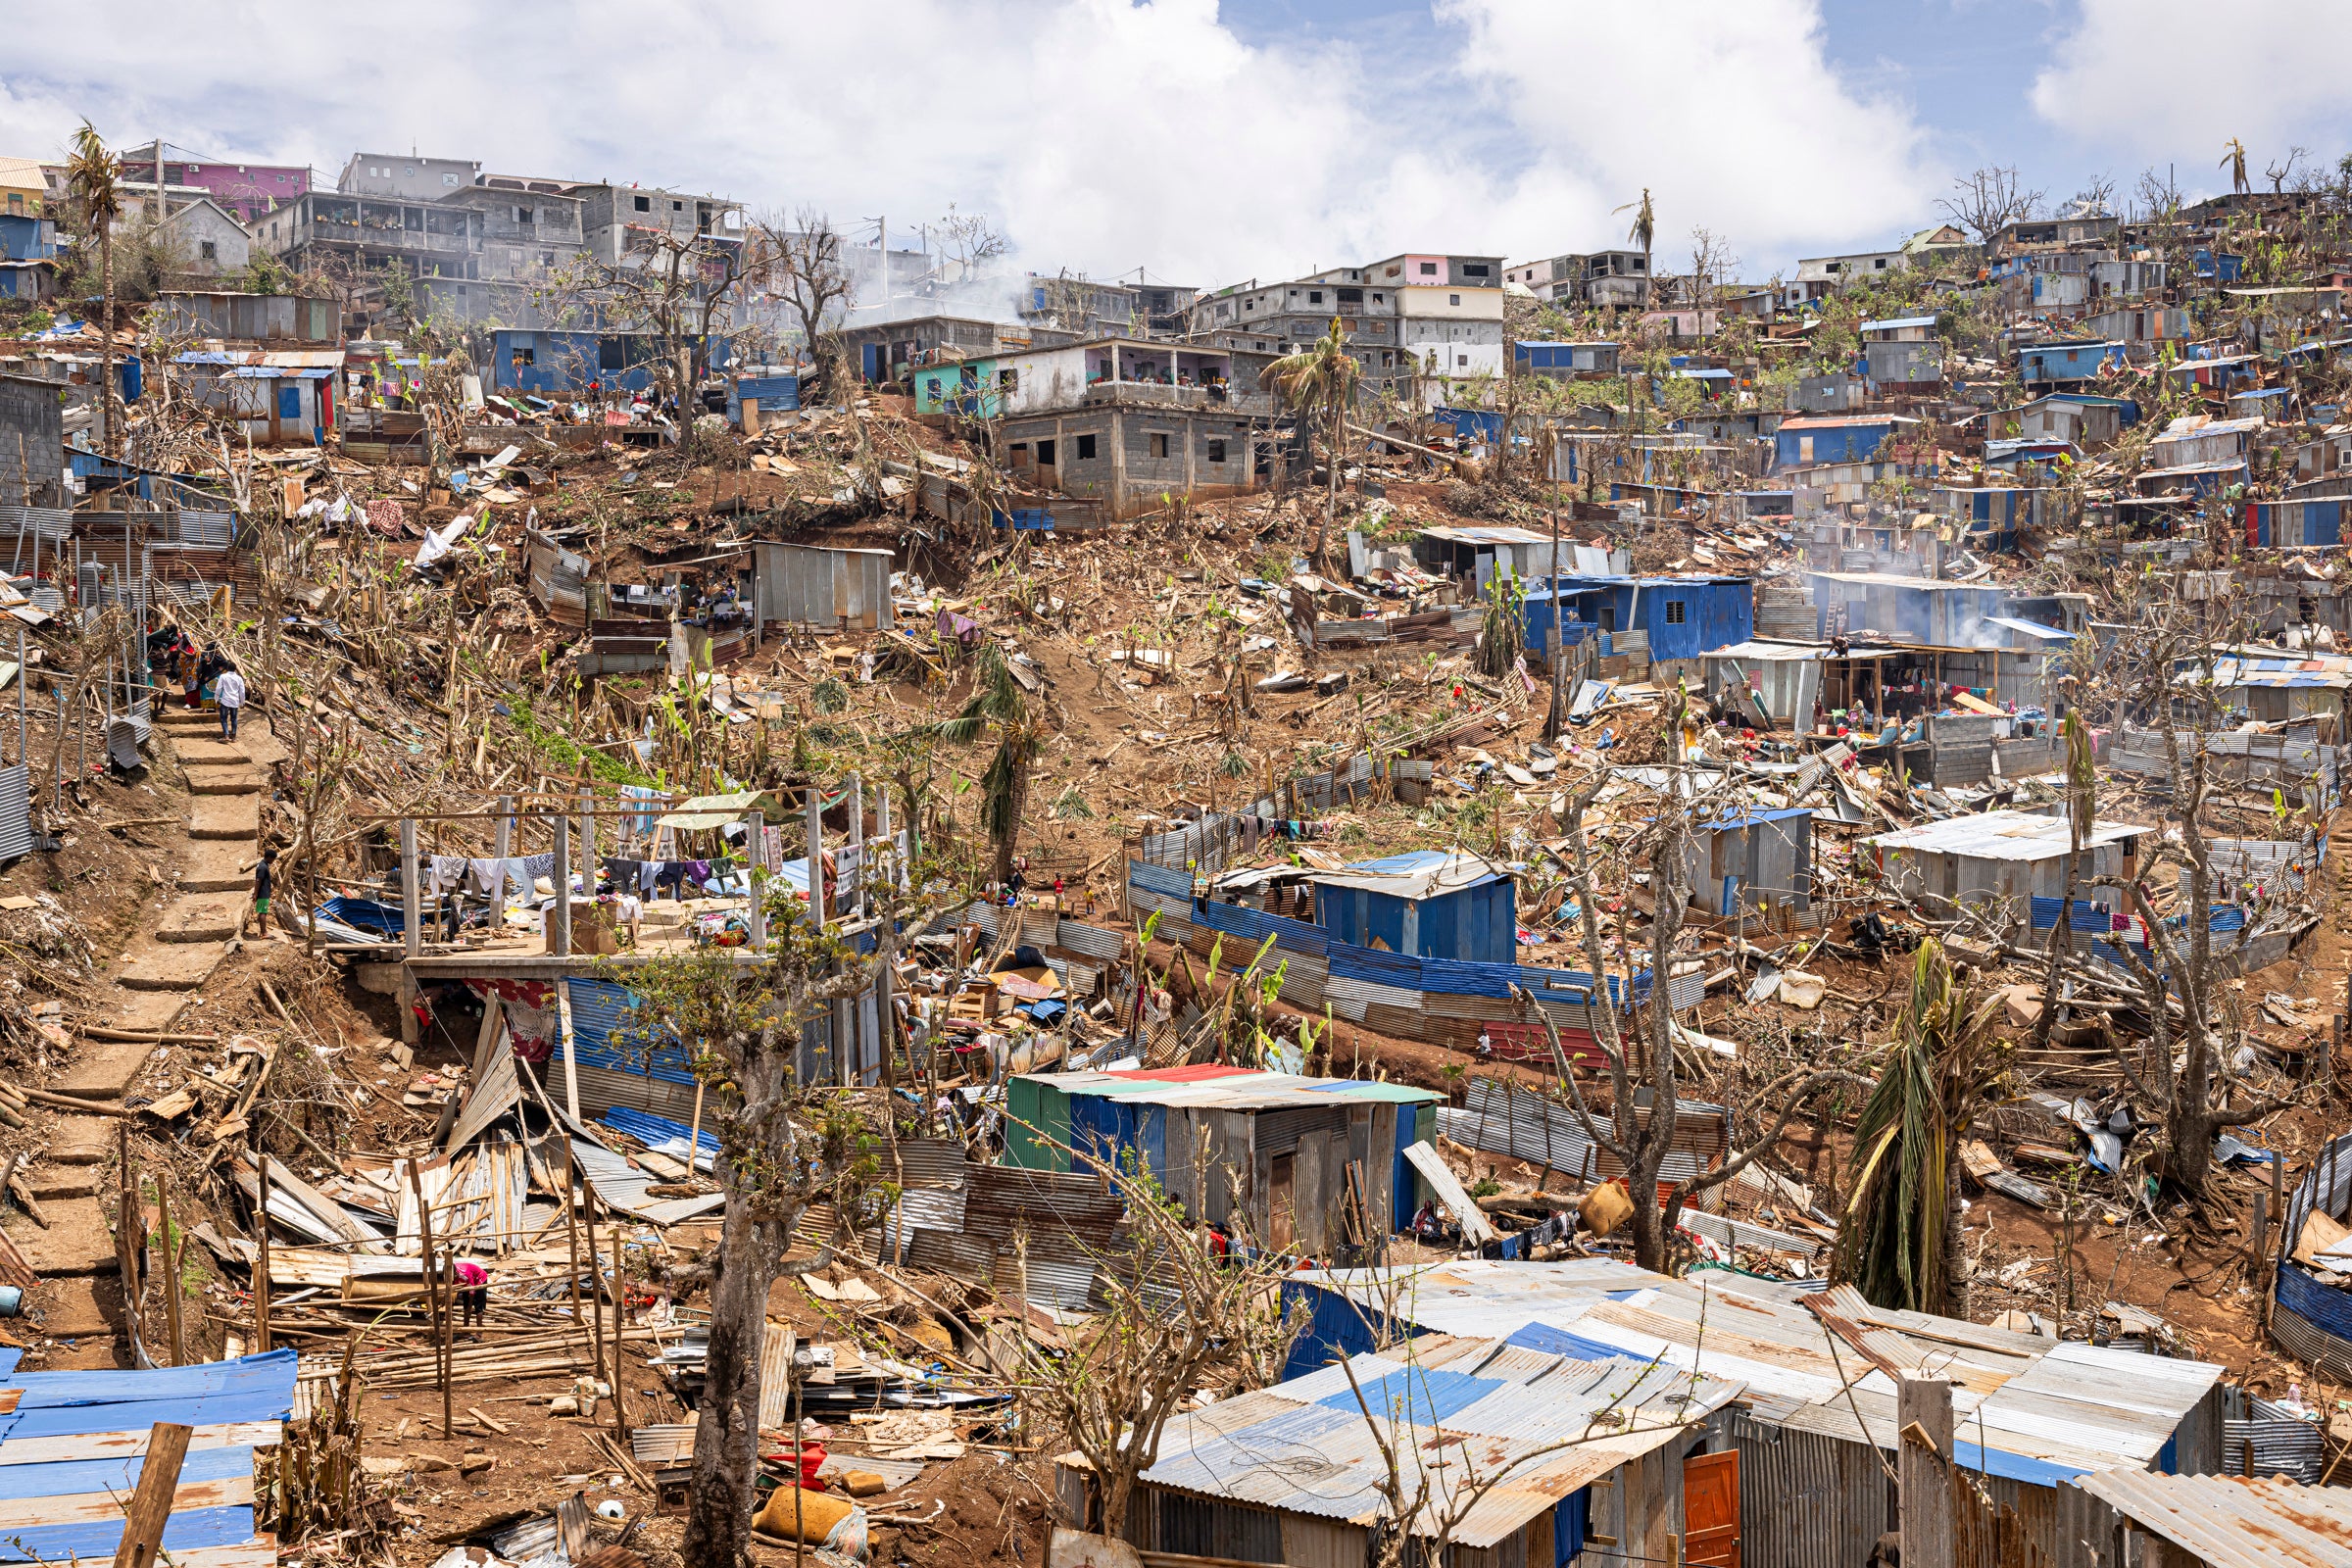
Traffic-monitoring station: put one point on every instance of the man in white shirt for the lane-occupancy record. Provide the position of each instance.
(228, 690)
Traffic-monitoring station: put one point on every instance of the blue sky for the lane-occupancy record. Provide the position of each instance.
(1213, 141)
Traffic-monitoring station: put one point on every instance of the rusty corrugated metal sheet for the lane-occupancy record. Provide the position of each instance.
(2231, 1522)
(1807, 1500)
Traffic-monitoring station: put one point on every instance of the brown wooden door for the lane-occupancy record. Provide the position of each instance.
(1711, 1509)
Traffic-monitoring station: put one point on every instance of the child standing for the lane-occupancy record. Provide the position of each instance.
(262, 873)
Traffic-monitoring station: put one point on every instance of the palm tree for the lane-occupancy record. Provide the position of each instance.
(998, 703)
(91, 173)
(2233, 159)
(1899, 1241)
(1642, 234)
(1320, 380)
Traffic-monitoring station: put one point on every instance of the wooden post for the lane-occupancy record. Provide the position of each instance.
(694, 1135)
(505, 849)
(261, 1267)
(410, 913)
(816, 856)
(852, 889)
(559, 935)
(756, 877)
(572, 1237)
(792, 1380)
(595, 1274)
(436, 1319)
(1923, 1416)
(621, 1419)
(162, 1212)
(151, 1502)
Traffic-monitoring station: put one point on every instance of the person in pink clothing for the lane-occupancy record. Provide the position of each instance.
(473, 1294)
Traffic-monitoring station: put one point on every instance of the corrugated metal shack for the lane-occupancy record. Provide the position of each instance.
(1819, 1373)
(1397, 994)
(1805, 442)
(1310, 1150)
(1683, 616)
(1433, 904)
(2013, 856)
(2275, 686)
(819, 585)
(247, 318)
(2157, 1521)
(1751, 857)
(1589, 1455)
(1782, 678)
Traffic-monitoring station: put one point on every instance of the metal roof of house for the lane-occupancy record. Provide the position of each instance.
(1487, 534)
(1925, 585)
(2233, 1522)
(2292, 674)
(73, 1445)
(1212, 1084)
(1418, 874)
(2189, 432)
(1845, 421)
(2025, 1408)
(2002, 836)
(2031, 628)
(1548, 1425)
(1896, 323)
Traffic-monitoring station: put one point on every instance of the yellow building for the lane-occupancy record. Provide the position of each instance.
(23, 187)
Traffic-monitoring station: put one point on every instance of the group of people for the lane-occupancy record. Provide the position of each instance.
(173, 657)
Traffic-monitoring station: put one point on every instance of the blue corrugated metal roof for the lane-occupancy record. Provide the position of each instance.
(601, 1037)
(78, 1403)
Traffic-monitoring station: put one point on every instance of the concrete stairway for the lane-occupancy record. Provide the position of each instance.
(79, 1295)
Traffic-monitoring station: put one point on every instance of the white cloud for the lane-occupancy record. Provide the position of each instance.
(1730, 113)
(2170, 79)
(1103, 135)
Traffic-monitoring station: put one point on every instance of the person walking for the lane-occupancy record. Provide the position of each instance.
(263, 872)
(228, 690)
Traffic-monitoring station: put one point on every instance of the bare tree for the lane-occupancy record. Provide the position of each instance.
(2096, 198)
(1644, 1065)
(1177, 1315)
(1433, 1480)
(968, 243)
(2278, 172)
(1712, 264)
(1990, 200)
(669, 286)
(784, 1145)
(800, 263)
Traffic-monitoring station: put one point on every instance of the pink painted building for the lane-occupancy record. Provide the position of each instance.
(247, 190)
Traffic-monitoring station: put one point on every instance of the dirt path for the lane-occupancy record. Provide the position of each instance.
(159, 976)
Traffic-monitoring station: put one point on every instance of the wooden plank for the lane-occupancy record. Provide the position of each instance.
(150, 1505)
(130, 1445)
(1442, 1181)
(97, 1507)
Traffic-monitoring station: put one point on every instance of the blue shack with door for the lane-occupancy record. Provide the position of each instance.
(1832, 438)
(2045, 363)
(1430, 904)
(1683, 616)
